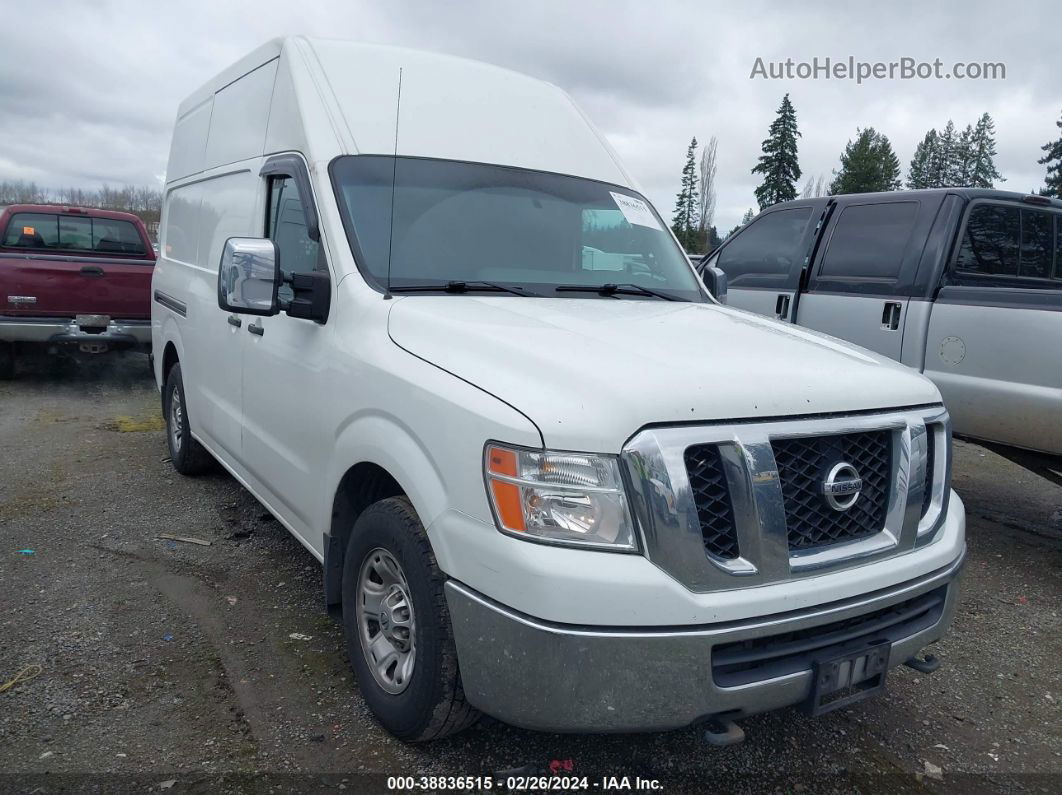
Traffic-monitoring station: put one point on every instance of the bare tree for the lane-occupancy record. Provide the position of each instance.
(706, 201)
(814, 187)
(140, 200)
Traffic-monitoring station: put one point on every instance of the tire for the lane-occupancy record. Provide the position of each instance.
(7, 361)
(430, 703)
(187, 455)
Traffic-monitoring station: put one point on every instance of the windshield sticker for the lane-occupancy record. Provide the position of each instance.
(635, 211)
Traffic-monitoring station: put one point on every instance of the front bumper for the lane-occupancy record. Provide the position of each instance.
(557, 677)
(117, 334)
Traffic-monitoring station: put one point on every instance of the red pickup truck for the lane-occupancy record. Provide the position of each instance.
(73, 279)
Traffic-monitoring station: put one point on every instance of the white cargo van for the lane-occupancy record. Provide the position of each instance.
(416, 305)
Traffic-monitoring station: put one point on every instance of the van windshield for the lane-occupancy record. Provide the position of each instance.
(470, 223)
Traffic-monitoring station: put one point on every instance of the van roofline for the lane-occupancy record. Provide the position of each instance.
(273, 49)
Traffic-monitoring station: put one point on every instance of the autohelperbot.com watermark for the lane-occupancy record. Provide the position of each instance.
(905, 68)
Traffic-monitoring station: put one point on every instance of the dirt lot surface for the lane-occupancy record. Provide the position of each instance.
(169, 666)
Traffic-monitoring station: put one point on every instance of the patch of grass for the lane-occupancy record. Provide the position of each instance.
(48, 417)
(139, 425)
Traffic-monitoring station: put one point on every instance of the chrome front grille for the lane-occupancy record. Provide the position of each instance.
(803, 464)
(727, 506)
(712, 497)
(931, 443)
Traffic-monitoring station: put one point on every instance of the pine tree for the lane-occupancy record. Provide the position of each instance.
(684, 222)
(962, 159)
(1053, 161)
(868, 165)
(982, 171)
(778, 163)
(919, 174)
(889, 165)
(943, 167)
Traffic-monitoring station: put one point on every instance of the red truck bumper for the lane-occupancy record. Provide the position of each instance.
(88, 335)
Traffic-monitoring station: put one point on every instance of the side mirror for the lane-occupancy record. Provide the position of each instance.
(715, 281)
(249, 276)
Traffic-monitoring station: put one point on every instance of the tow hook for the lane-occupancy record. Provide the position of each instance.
(721, 732)
(927, 665)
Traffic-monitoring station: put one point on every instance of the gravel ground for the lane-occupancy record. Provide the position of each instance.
(172, 666)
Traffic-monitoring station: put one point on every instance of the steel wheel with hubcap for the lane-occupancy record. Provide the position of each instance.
(176, 418)
(386, 621)
(397, 625)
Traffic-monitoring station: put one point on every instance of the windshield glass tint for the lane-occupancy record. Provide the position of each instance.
(471, 222)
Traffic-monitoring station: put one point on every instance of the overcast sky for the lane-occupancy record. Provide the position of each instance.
(88, 91)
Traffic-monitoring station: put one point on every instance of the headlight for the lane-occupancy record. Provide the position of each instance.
(564, 498)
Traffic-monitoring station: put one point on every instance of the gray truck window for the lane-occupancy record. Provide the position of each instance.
(1037, 246)
(1001, 240)
(869, 241)
(763, 255)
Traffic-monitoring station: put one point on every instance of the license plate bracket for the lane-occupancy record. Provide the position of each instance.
(848, 677)
(94, 322)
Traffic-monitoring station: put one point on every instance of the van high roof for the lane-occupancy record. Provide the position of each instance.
(327, 98)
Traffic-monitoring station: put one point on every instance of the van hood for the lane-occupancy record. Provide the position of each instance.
(591, 372)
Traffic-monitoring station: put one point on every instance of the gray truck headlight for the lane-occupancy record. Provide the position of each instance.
(575, 499)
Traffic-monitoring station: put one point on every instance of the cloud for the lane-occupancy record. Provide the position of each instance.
(89, 91)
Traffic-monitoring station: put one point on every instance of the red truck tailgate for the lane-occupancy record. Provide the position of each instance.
(46, 286)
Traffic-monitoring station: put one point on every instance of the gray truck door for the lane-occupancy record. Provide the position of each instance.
(860, 283)
(993, 341)
(763, 261)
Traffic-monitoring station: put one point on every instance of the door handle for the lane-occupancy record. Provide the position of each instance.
(781, 307)
(254, 328)
(890, 316)
(91, 270)
(235, 321)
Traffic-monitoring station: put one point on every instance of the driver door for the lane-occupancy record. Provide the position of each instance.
(764, 260)
(285, 359)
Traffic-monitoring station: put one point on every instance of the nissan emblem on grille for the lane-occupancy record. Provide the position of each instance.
(842, 486)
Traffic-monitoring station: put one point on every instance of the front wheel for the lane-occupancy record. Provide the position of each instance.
(397, 626)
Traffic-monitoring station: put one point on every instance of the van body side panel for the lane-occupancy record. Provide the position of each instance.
(285, 131)
(999, 367)
(238, 122)
(189, 141)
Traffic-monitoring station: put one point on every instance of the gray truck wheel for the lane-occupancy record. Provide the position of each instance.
(187, 455)
(397, 626)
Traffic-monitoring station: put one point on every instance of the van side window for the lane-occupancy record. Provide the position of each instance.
(1008, 241)
(869, 241)
(286, 226)
(763, 255)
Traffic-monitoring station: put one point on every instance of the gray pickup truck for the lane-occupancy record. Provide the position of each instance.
(964, 285)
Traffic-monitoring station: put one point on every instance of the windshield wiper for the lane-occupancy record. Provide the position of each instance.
(626, 288)
(463, 287)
